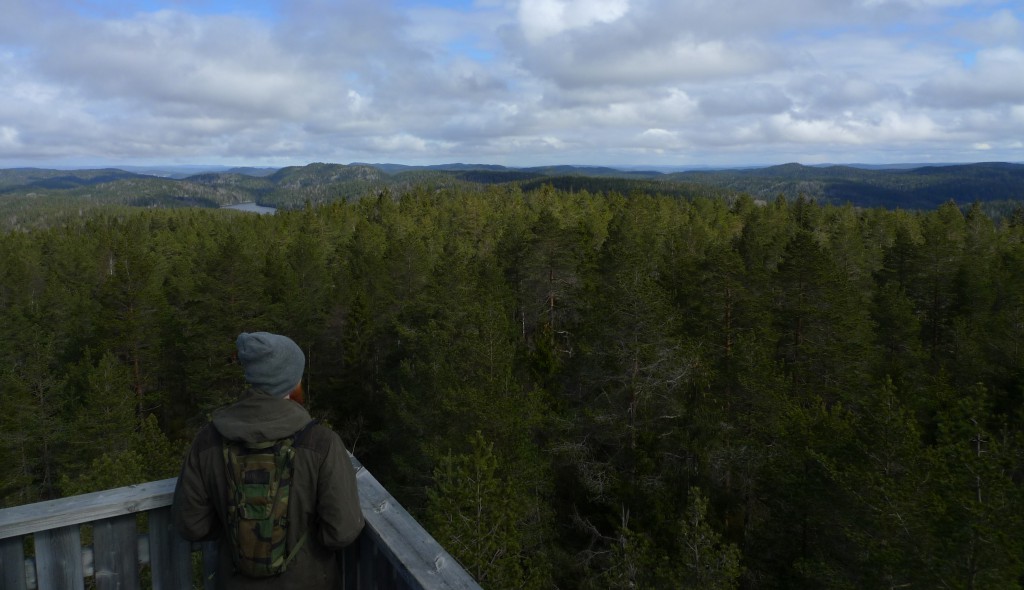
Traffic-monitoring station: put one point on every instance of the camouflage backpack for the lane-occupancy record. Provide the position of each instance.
(259, 481)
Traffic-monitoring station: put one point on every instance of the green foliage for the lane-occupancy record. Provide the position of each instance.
(571, 388)
(32, 198)
(471, 513)
(924, 187)
(705, 561)
(146, 455)
(699, 558)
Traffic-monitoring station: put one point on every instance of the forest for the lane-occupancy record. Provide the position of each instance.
(34, 197)
(569, 389)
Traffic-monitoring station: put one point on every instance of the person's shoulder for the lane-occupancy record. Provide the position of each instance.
(319, 438)
(207, 437)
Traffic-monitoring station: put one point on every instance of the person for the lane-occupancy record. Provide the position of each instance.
(323, 513)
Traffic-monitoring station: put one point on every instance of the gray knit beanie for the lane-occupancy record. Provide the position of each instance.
(272, 363)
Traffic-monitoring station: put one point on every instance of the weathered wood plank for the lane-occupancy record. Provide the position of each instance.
(116, 553)
(368, 552)
(418, 558)
(12, 564)
(22, 520)
(344, 558)
(391, 533)
(348, 564)
(59, 559)
(383, 572)
(211, 557)
(169, 554)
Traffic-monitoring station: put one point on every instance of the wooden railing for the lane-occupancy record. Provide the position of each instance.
(393, 551)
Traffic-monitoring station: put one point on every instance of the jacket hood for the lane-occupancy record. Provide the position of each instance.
(259, 417)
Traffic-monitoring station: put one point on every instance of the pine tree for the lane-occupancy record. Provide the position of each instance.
(977, 522)
(470, 512)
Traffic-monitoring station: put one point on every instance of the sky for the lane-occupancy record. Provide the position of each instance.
(685, 83)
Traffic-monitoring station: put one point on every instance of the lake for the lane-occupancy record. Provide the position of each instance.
(252, 208)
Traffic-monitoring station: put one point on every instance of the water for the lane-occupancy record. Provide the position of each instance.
(252, 208)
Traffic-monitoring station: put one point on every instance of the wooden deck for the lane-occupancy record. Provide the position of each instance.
(132, 541)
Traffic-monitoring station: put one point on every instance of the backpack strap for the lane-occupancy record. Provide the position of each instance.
(298, 436)
(295, 550)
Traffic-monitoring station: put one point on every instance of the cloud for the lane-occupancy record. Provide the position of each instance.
(516, 81)
(885, 127)
(541, 19)
(1000, 28)
(827, 94)
(175, 63)
(8, 139)
(994, 79)
(21, 20)
(743, 99)
(647, 43)
(679, 61)
(659, 139)
(398, 143)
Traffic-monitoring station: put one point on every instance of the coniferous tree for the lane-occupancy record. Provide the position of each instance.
(471, 513)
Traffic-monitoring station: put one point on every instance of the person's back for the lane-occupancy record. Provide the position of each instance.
(323, 512)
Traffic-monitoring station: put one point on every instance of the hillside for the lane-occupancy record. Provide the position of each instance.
(924, 187)
(27, 179)
(31, 197)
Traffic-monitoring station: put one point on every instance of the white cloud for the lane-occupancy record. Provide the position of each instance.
(886, 127)
(659, 139)
(357, 102)
(743, 99)
(676, 106)
(171, 59)
(1005, 27)
(589, 81)
(791, 129)
(680, 61)
(8, 138)
(897, 126)
(1000, 28)
(921, 4)
(541, 19)
(398, 143)
(995, 78)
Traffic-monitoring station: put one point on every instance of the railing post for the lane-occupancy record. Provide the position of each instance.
(169, 555)
(116, 553)
(59, 559)
(12, 563)
(211, 559)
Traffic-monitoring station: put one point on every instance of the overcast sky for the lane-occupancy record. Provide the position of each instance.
(513, 82)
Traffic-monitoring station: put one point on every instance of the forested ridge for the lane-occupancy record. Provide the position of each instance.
(33, 198)
(569, 389)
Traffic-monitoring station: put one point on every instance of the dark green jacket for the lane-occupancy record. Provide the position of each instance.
(323, 499)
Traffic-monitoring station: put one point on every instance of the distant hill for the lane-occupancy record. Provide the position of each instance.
(598, 171)
(24, 192)
(924, 187)
(42, 179)
(175, 171)
(249, 171)
(402, 168)
(320, 174)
